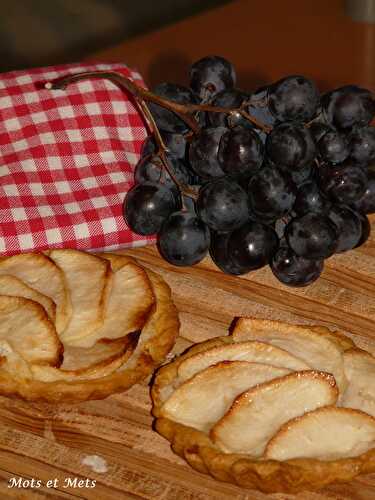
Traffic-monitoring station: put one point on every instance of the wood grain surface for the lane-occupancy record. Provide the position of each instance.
(48, 442)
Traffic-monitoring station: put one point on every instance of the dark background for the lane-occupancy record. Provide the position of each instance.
(43, 32)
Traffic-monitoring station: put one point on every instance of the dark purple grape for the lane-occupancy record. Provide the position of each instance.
(203, 153)
(318, 129)
(366, 204)
(312, 236)
(167, 120)
(302, 175)
(294, 98)
(293, 270)
(182, 170)
(183, 239)
(362, 145)
(345, 183)
(272, 193)
(252, 246)
(333, 147)
(240, 151)
(349, 227)
(366, 230)
(241, 179)
(229, 98)
(189, 204)
(348, 106)
(150, 169)
(147, 206)
(219, 254)
(211, 75)
(310, 199)
(148, 147)
(290, 145)
(175, 143)
(222, 205)
(259, 109)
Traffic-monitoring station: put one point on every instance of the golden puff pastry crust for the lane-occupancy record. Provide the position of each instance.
(108, 366)
(199, 450)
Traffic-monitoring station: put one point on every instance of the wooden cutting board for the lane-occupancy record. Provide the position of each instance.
(49, 443)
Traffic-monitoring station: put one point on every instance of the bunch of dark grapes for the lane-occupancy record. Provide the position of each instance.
(281, 176)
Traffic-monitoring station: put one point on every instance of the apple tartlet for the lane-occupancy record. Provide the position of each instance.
(273, 406)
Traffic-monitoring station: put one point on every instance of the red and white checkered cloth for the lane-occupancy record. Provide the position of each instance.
(66, 161)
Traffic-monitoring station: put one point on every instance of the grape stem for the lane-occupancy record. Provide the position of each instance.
(142, 96)
(185, 111)
(162, 154)
(314, 120)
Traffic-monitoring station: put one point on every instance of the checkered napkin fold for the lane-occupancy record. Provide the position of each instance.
(66, 161)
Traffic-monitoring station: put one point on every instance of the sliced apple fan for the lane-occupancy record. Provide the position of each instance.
(270, 390)
(68, 317)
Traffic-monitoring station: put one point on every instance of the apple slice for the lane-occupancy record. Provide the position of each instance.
(359, 368)
(328, 433)
(311, 346)
(258, 413)
(40, 273)
(127, 303)
(12, 362)
(88, 364)
(14, 287)
(342, 341)
(86, 278)
(203, 400)
(252, 351)
(78, 358)
(26, 328)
